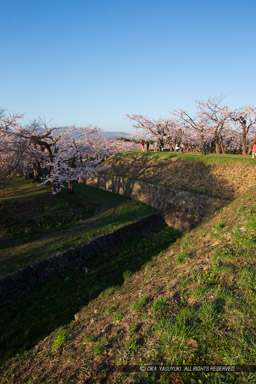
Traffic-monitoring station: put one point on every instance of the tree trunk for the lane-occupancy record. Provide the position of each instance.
(36, 175)
(244, 134)
(217, 148)
(37, 171)
(222, 148)
(70, 187)
(217, 144)
(201, 142)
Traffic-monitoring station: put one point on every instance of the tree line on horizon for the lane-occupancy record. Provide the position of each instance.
(217, 126)
(64, 155)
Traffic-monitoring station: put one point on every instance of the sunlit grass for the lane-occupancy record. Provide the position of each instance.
(192, 156)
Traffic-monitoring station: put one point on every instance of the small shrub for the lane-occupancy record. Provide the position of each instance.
(218, 225)
(161, 306)
(210, 276)
(209, 314)
(99, 348)
(201, 292)
(127, 274)
(181, 258)
(131, 345)
(108, 311)
(183, 283)
(186, 244)
(186, 314)
(91, 338)
(133, 327)
(140, 303)
(119, 316)
(248, 279)
(60, 340)
(109, 291)
(223, 254)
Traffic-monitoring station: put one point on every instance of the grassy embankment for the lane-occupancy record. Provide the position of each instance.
(63, 219)
(222, 176)
(35, 225)
(210, 157)
(193, 303)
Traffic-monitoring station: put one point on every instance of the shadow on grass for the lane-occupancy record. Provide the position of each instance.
(55, 302)
(188, 172)
(17, 188)
(47, 245)
(55, 223)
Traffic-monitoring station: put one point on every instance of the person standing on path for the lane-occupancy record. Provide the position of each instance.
(142, 146)
(254, 151)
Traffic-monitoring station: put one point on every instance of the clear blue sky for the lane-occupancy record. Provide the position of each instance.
(92, 61)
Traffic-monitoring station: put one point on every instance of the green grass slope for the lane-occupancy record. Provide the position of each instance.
(194, 303)
(54, 303)
(194, 156)
(35, 225)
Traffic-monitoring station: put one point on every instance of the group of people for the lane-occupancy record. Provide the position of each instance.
(144, 146)
(158, 147)
(179, 148)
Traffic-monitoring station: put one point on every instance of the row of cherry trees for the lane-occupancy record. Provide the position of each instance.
(55, 155)
(214, 124)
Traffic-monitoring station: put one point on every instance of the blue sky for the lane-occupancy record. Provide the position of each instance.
(92, 61)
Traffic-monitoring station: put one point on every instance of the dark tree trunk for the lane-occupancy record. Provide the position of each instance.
(70, 187)
(217, 144)
(244, 134)
(36, 175)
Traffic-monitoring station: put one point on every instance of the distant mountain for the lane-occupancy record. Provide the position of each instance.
(114, 135)
(106, 134)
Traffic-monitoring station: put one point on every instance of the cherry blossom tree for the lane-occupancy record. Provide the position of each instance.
(41, 145)
(146, 129)
(245, 120)
(60, 156)
(217, 120)
(192, 123)
(212, 122)
(12, 148)
(79, 154)
(164, 131)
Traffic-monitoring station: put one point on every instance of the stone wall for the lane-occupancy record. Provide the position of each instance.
(21, 281)
(180, 209)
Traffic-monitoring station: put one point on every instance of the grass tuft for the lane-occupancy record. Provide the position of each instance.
(60, 339)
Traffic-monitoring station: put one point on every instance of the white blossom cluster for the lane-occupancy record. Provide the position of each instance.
(59, 156)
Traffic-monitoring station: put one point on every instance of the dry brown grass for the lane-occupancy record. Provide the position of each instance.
(224, 180)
